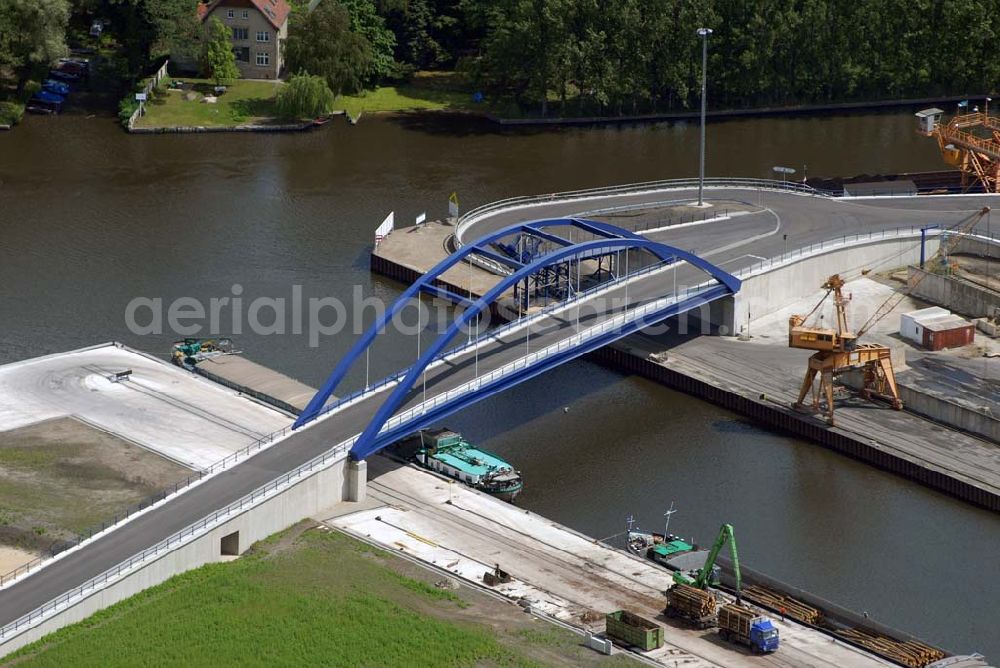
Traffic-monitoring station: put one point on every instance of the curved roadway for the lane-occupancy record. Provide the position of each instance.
(731, 243)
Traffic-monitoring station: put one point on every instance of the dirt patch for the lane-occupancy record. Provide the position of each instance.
(59, 478)
(537, 639)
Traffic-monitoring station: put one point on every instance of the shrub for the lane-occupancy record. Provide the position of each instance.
(126, 108)
(31, 87)
(10, 113)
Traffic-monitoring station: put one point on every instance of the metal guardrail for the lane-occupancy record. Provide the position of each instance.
(146, 503)
(486, 210)
(176, 539)
(846, 241)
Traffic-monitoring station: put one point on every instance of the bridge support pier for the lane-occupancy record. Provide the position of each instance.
(357, 480)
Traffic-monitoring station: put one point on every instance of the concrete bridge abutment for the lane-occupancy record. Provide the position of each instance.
(357, 480)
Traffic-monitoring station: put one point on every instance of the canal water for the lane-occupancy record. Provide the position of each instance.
(91, 218)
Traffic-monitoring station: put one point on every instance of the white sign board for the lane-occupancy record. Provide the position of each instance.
(421, 218)
(783, 170)
(140, 97)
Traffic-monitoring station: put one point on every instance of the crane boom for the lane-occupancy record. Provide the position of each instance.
(704, 575)
(945, 247)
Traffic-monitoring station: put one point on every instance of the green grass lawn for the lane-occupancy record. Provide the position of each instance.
(243, 102)
(427, 91)
(308, 597)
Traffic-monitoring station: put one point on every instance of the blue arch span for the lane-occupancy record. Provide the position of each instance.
(614, 238)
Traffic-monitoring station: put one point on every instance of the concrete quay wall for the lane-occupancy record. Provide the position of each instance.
(953, 293)
(778, 417)
(305, 498)
(772, 289)
(950, 413)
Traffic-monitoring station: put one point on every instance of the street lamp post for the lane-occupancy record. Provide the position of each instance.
(703, 33)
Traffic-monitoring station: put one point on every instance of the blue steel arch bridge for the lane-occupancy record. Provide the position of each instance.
(570, 285)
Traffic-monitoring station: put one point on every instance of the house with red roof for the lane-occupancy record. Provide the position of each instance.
(258, 29)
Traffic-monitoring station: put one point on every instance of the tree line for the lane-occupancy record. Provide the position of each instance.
(585, 56)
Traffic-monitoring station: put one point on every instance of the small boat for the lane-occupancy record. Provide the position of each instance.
(63, 76)
(188, 352)
(320, 121)
(446, 452)
(36, 106)
(657, 547)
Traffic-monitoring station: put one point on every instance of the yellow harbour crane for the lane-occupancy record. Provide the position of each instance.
(838, 348)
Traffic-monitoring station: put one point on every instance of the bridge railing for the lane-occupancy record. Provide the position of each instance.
(485, 211)
(847, 240)
(336, 453)
(495, 333)
(532, 358)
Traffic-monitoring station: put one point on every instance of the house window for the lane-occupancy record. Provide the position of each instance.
(263, 36)
(242, 54)
(263, 58)
(246, 13)
(242, 34)
(230, 13)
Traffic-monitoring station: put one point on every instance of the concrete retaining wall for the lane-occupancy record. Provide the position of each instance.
(978, 247)
(950, 413)
(771, 291)
(280, 511)
(953, 293)
(619, 357)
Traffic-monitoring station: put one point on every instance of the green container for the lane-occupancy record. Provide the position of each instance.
(634, 630)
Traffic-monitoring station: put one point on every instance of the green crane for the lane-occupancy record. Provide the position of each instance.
(701, 580)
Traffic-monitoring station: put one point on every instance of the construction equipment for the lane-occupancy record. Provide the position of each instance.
(740, 624)
(708, 574)
(634, 630)
(838, 350)
(977, 156)
(697, 606)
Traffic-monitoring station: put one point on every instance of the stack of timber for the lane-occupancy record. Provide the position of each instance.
(691, 603)
(911, 653)
(781, 603)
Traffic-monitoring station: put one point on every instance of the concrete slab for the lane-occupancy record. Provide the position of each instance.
(187, 419)
(556, 570)
(421, 247)
(246, 373)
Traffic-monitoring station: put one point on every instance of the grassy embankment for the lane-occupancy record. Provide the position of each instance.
(244, 102)
(308, 597)
(253, 101)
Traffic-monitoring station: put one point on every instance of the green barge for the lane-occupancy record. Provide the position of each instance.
(449, 454)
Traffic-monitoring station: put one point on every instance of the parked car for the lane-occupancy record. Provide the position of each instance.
(57, 87)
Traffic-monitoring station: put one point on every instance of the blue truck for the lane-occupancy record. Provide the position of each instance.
(740, 624)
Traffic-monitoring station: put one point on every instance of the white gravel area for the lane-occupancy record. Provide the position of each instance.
(168, 410)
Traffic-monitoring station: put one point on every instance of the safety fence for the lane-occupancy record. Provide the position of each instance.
(147, 88)
(473, 216)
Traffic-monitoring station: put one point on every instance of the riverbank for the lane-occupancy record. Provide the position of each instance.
(302, 583)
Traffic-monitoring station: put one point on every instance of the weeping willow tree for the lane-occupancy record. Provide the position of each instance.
(304, 96)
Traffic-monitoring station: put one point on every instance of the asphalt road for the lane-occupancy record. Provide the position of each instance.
(731, 244)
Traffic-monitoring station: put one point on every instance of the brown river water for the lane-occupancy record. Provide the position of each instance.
(91, 218)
